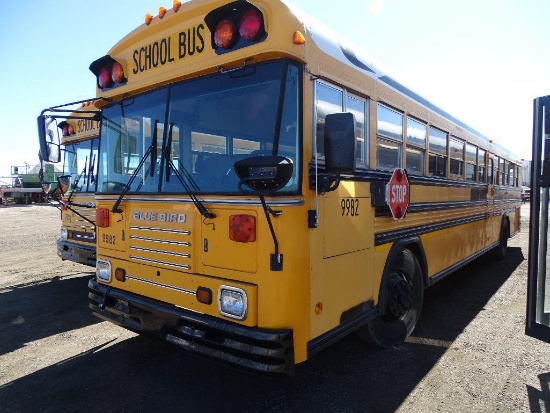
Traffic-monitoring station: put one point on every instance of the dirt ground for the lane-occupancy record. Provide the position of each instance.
(468, 353)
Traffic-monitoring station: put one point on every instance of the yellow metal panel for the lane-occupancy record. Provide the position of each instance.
(114, 236)
(218, 250)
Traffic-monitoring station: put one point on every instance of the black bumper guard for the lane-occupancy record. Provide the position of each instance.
(266, 351)
(83, 254)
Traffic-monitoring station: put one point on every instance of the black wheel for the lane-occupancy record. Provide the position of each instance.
(500, 251)
(401, 295)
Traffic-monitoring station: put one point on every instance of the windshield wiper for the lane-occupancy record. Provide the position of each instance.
(91, 171)
(171, 167)
(77, 181)
(151, 150)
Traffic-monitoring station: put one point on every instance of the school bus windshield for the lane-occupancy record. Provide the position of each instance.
(201, 128)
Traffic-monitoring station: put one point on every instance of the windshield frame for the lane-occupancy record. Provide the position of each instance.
(283, 76)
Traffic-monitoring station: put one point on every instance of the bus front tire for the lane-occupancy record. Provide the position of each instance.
(403, 290)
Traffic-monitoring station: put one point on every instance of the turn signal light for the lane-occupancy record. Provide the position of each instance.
(120, 274)
(204, 295)
(298, 38)
(242, 228)
(102, 217)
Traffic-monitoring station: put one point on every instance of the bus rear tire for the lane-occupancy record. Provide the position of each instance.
(500, 251)
(401, 295)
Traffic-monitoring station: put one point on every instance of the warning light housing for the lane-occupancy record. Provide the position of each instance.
(66, 128)
(235, 25)
(109, 72)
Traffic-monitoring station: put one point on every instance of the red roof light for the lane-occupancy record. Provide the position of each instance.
(225, 34)
(104, 79)
(251, 25)
(117, 73)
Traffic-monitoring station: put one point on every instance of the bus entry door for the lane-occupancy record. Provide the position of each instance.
(538, 289)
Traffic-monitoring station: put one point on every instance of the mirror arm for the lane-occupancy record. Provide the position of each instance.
(276, 259)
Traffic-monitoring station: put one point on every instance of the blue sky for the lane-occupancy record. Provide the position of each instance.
(484, 61)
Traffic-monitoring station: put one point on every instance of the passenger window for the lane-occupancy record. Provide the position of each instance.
(437, 152)
(389, 128)
(456, 150)
(416, 146)
(471, 162)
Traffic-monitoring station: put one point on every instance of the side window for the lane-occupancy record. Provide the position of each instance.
(512, 169)
(481, 167)
(328, 100)
(456, 154)
(502, 172)
(358, 106)
(471, 162)
(416, 146)
(496, 175)
(389, 130)
(437, 152)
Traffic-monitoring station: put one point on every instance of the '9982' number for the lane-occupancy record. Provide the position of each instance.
(109, 239)
(350, 207)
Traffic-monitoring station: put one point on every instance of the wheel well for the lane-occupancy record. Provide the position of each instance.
(418, 251)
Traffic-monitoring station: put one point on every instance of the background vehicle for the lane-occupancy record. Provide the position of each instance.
(263, 190)
(79, 140)
(26, 183)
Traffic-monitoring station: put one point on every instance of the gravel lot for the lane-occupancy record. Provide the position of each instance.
(468, 353)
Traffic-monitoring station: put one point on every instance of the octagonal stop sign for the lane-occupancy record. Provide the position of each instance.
(398, 193)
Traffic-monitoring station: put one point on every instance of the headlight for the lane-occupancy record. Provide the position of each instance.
(103, 270)
(64, 233)
(232, 302)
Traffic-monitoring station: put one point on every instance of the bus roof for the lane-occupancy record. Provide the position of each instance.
(353, 56)
(165, 33)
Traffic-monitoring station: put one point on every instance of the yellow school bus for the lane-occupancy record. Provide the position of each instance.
(80, 139)
(77, 141)
(264, 190)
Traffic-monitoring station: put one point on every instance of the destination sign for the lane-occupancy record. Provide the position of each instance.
(169, 49)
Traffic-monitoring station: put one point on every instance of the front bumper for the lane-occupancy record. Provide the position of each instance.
(267, 351)
(82, 254)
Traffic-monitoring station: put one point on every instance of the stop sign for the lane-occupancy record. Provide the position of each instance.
(398, 193)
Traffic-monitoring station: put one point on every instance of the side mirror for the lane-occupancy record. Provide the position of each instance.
(49, 145)
(264, 174)
(340, 143)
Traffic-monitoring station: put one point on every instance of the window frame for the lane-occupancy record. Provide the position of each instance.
(437, 155)
(415, 146)
(388, 138)
(362, 156)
